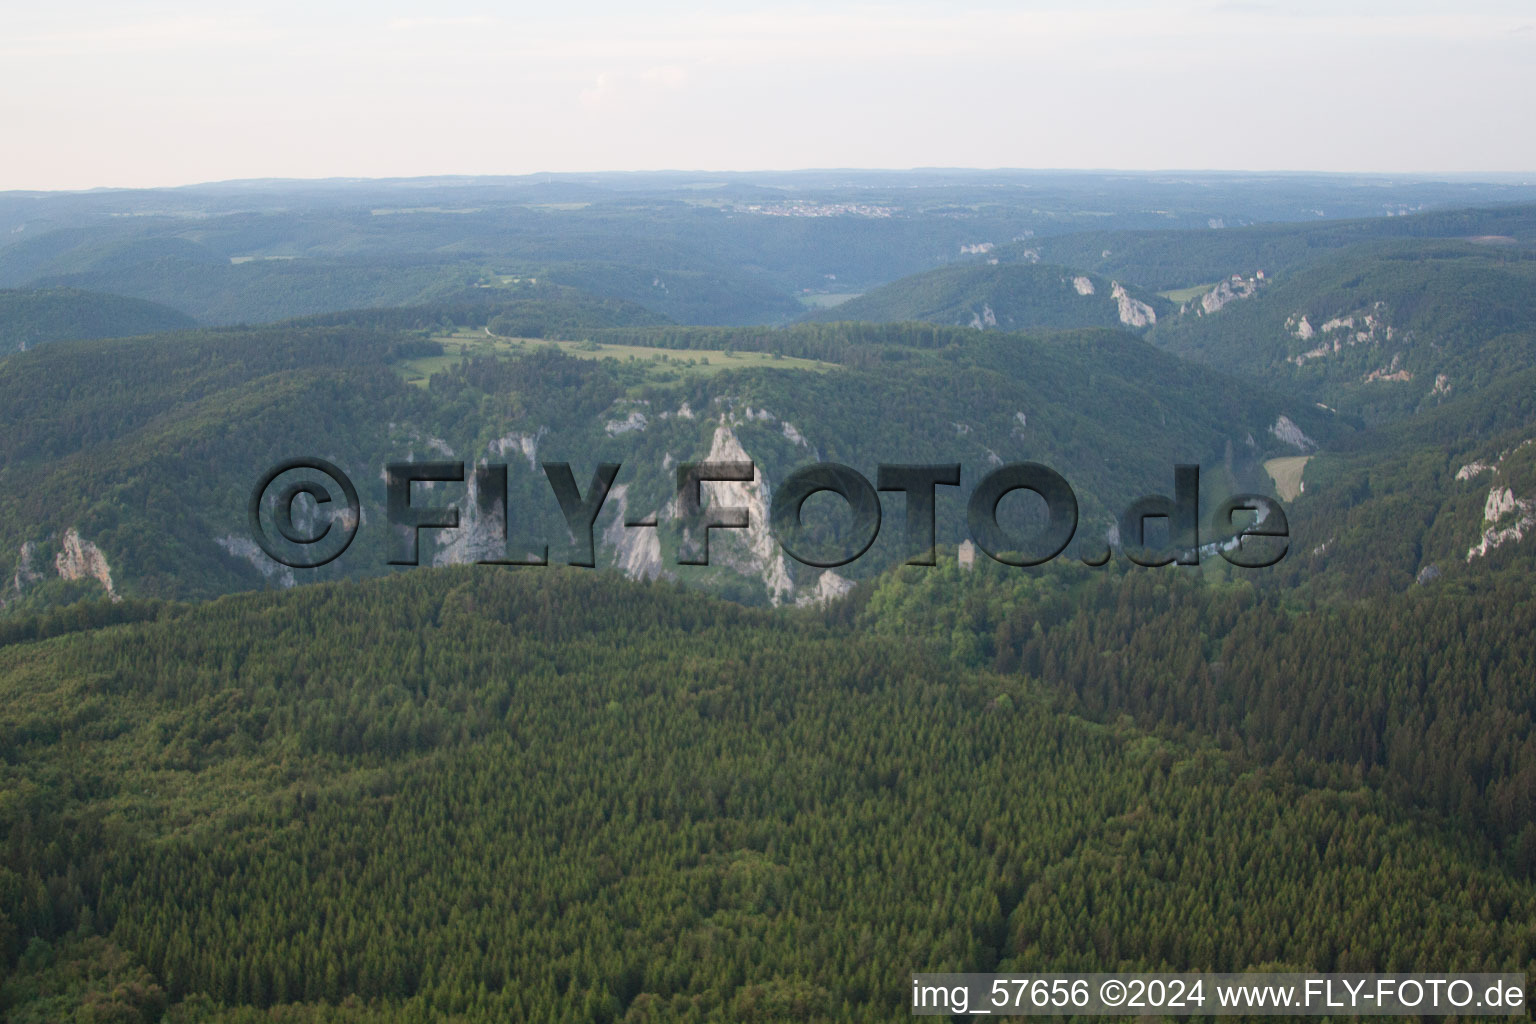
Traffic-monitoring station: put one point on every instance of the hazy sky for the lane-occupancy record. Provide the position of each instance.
(131, 93)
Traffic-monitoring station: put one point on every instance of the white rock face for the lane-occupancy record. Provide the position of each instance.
(794, 435)
(1494, 536)
(244, 547)
(1083, 285)
(753, 551)
(640, 553)
(829, 587)
(986, 318)
(1227, 291)
(634, 421)
(478, 537)
(978, 249)
(1395, 372)
(528, 444)
(1133, 312)
(1518, 515)
(637, 548)
(965, 555)
(1289, 433)
(1501, 501)
(79, 559)
(25, 573)
(1361, 328)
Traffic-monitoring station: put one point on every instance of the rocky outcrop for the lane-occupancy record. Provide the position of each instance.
(527, 444)
(1287, 432)
(1231, 290)
(637, 549)
(829, 587)
(1507, 518)
(479, 536)
(79, 559)
(1133, 312)
(1503, 505)
(26, 574)
(966, 555)
(244, 547)
(753, 551)
(1365, 327)
(634, 421)
(26, 571)
(1083, 285)
(1394, 372)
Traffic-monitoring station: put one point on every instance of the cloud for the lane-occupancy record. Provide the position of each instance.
(614, 89)
(428, 24)
(167, 34)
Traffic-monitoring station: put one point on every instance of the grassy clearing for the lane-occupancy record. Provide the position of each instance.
(1183, 295)
(827, 300)
(1286, 473)
(660, 364)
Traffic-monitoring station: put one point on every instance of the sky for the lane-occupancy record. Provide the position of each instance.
(138, 94)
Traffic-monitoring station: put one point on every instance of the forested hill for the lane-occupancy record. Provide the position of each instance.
(32, 317)
(523, 308)
(479, 794)
(1180, 259)
(1009, 297)
(142, 486)
(1381, 331)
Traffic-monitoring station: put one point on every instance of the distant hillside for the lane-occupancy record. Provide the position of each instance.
(218, 291)
(522, 309)
(725, 295)
(142, 487)
(1007, 297)
(1181, 259)
(1381, 331)
(34, 316)
(1445, 497)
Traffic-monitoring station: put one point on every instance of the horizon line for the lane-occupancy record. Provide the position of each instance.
(1427, 177)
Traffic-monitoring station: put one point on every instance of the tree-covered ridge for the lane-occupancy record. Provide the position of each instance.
(1400, 511)
(1007, 297)
(482, 794)
(522, 308)
(1423, 695)
(32, 317)
(1381, 331)
(1179, 259)
(716, 295)
(155, 471)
